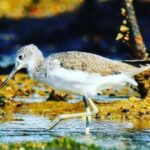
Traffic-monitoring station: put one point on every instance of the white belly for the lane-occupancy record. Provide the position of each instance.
(83, 83)
(73, 81)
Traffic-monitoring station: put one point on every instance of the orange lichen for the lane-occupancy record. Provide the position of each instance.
(138, 39)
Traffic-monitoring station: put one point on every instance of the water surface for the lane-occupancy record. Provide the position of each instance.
(108, 134)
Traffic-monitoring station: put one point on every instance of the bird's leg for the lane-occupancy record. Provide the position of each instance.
(88, 118)
(66, 116)
(94, 107)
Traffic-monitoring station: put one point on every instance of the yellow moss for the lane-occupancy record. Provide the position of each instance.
(124, 28)
(119, 36)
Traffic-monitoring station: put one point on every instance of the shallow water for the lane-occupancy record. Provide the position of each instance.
(103, 133)
(99, 98)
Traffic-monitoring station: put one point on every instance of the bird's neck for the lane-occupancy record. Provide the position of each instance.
(32, 68)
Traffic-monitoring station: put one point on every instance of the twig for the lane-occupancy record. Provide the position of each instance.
(139, 45)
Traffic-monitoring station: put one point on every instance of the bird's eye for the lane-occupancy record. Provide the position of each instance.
(20, 57)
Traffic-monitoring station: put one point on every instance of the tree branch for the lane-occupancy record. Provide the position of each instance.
(140, 50)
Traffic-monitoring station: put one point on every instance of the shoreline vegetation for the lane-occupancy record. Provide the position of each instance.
(59, 143)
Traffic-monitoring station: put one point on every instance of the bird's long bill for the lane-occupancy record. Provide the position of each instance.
(9, 77)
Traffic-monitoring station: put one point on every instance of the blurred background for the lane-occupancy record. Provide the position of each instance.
(65, 25)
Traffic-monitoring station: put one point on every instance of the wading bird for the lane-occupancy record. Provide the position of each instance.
(75, 72)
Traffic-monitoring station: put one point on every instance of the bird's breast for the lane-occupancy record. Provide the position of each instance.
(73, 81)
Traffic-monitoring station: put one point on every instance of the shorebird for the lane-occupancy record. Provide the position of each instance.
(75, 72)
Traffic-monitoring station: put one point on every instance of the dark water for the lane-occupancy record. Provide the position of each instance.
(92, 27)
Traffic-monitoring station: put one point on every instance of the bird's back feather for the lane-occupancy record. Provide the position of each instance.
(91, 63)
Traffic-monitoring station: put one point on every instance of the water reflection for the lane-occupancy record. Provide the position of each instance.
(108, 134)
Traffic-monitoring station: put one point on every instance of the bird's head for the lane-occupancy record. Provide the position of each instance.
(24, 58)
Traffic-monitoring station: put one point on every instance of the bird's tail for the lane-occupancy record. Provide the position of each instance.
(138, 70)
(129, 75)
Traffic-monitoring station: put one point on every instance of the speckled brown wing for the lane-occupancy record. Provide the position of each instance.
(91, 63)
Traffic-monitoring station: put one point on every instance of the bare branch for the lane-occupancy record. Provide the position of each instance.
(139, 47)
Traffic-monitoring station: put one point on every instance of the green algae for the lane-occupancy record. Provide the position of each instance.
(57, 144)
